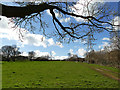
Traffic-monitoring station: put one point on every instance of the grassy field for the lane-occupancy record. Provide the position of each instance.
(57, 74)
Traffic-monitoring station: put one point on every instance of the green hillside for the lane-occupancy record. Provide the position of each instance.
(56, 74)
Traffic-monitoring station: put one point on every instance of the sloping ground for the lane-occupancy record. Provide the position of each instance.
(108, 73)
(58, 74)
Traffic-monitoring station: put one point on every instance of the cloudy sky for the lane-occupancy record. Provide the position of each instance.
(43, 45)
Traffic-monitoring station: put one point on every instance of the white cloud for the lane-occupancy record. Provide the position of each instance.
(80, 8)
(106, 39)
(99, 46)
(59, 44)
(58, 15)
(60, 57)
(24, 54)
(3, 22)
(77, 41)
(71, 51)
(81, 41)
(65, 20)
(6, 31)
(39, 54)
(53, 53)
(48, 11)
(34, 39)
(104, 44)
(116, 21)
(51, 41)
(39, 40)
(81, 52)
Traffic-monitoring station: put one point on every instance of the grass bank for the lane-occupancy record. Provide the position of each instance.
(53, 74)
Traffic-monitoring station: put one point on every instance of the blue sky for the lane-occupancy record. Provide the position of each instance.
(49, 46)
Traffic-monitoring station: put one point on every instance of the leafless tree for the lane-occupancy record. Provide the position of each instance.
(70, 55)
(115, 40)
(96, 18)
(9, 51)
(31, 54)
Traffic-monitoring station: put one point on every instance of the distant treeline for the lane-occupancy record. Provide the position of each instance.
(12, 53)
(103, 57)
(26, 58)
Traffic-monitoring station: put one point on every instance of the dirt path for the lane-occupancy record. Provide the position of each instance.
(106, 72)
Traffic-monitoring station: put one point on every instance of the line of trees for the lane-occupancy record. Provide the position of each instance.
(104, 57)
(12, 53)
(8, 52)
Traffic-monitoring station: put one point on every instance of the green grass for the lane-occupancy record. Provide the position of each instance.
(104, 67)
(57, 74)
(111, 70)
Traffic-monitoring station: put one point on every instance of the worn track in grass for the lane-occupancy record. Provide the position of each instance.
(106, 72)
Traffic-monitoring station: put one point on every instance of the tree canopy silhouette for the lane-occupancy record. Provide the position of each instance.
(95, 18)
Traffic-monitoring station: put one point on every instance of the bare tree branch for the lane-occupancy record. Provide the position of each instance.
(94, 20)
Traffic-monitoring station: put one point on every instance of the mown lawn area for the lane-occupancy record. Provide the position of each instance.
(53, 74)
